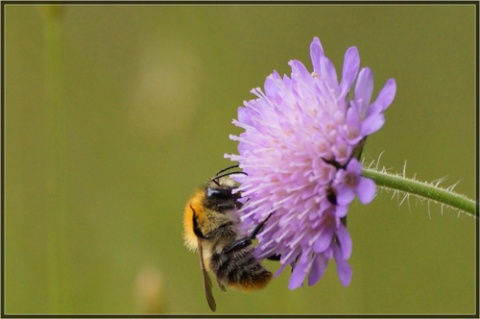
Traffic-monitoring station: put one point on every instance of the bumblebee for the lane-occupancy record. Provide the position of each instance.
(212, 227)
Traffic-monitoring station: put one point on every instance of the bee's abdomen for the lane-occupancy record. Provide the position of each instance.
(240, 269)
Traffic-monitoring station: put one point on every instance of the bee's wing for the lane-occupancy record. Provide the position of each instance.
(207, 283)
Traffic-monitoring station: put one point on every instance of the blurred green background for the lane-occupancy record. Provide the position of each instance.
(106, 141)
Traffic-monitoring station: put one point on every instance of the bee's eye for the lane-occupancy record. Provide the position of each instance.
(219, 193)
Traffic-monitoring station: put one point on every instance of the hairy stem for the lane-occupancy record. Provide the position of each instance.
(423, 190)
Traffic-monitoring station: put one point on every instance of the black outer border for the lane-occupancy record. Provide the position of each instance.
(2, 139)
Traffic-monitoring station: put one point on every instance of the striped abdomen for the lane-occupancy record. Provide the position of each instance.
(240, 269)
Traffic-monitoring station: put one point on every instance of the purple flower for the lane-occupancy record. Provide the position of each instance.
(300, 149)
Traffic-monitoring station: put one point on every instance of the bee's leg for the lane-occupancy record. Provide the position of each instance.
(247, 241)
(238, 245)
(275, 257)
(221, 285)
(259, 227)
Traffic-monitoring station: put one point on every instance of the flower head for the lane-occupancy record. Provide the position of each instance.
(300, 148)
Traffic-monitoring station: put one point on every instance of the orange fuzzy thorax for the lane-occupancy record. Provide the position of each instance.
(189, 236)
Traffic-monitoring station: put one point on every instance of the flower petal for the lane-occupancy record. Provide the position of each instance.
(325, 239)
(366, 190)
(345, 241)
(316, 52)
(328, 72)
(351, 64)
(319, 265)
(387, 94)
(280, 270)
(364, 89)
(341, 211)
(343, 268)
(299, 272)
(345, 196)
(273, 84)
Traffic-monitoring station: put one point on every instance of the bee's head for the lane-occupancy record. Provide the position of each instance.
(220, 194)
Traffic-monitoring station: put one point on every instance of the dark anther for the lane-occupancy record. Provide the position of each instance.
(331, 195)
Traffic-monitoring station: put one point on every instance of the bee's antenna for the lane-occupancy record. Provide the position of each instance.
(226, 174)
(225, 169)
(217, 176)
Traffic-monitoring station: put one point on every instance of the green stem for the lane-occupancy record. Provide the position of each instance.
(423, 190)
(58, 261)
